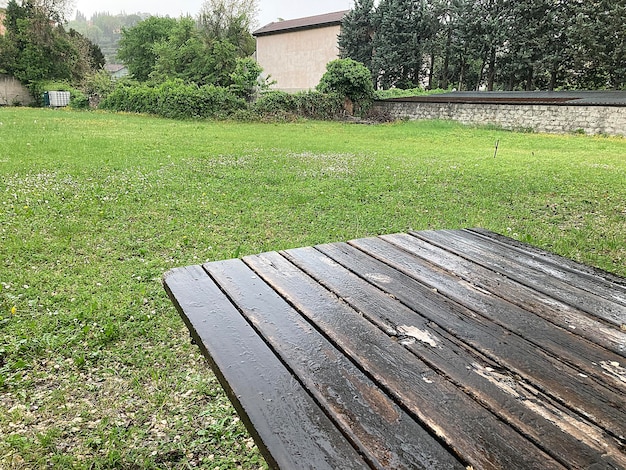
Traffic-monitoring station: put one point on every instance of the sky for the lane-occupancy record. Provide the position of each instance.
(270, 10)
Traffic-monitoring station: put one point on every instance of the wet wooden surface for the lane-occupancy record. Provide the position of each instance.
(432, 350)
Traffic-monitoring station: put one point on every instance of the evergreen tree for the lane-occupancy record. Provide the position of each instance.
(400, 42)
(357, 33)
(600, 34)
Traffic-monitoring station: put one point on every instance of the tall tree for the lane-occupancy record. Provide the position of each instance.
(136, 48)
(230, 20)
(357, 33)
(400, 42)
(539, 49)
(600, 33)
(183, 55)
(35, 48)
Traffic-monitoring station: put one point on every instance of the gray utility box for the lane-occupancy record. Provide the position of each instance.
(57, 99)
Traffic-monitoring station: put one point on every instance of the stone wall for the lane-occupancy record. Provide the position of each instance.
(12, 92)
(591, 119)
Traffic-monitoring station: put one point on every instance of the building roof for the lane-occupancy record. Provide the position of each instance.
(310, 22)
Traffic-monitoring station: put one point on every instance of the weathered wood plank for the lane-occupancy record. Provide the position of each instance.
(597, 403)
(466, 427)
(552, 310)
(463, 245)
(287, 425)
(614, 286)
(565, 436)
(562, 343)
(382, 431)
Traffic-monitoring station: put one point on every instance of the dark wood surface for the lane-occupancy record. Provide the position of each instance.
(428, 350)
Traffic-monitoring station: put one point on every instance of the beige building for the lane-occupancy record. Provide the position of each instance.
(2, 16)
(294, 53)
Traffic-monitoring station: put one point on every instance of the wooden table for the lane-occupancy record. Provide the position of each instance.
(435, 349)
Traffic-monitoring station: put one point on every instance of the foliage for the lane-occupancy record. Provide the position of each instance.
(247, 80)
(173, 99)
(400, 93)
(357, 32)
(491, 44)
(99, 84)
(350, 79)
(399, 42)
(137, 45)
(282, 106)
(104, 29)
(230, 21)
(204, 52)
(182, 54)
(36, 47)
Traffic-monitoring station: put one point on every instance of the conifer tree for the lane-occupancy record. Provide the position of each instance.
(400, 41)
(357, 33)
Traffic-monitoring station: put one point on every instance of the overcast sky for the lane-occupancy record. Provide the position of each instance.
(270, 10)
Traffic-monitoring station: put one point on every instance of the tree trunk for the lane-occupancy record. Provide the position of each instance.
(446, 61)
(491, 75)
(553, 77)
(529, 79)
(431, 71)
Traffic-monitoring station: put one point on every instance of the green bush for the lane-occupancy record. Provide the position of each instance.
(99, 84)
(308, 104)
(349, 79)
(275, 102)
(78, 99)
(173, 99)
(247, 80)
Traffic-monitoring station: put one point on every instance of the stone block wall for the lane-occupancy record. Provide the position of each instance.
(609, 120)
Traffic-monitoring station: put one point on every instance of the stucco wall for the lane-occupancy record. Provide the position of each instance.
(610, 120)
(297, 60)
(12, 92)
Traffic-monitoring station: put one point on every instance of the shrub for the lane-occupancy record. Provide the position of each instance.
(308, 104)
(247, 80)
(275, 102)
(173, 99)
(99, 84)
(316, 105)
(349, 79)
(78, 100)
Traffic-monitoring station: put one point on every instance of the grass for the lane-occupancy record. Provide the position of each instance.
(96, 369)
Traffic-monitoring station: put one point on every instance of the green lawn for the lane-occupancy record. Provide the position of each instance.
(96, 369)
